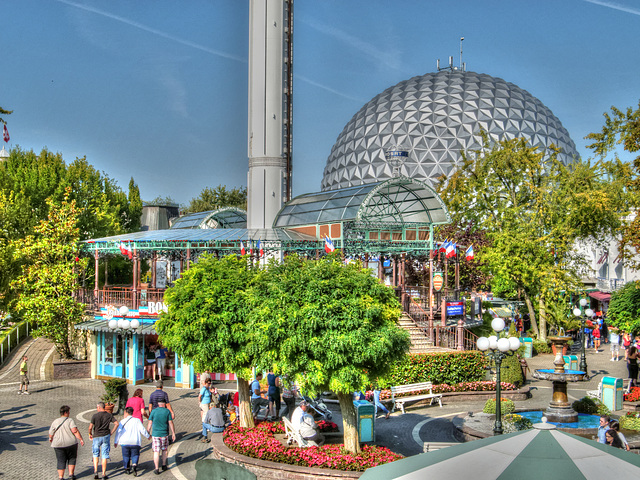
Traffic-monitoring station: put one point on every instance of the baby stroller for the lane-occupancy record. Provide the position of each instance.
(319, 406)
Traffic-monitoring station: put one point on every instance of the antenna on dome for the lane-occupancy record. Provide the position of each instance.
(462, 67)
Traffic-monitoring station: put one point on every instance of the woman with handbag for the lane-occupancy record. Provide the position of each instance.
(64, 436)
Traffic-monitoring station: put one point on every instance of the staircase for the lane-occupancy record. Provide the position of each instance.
(420, 342)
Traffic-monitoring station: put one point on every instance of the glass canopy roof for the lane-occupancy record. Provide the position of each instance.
(398, 201)
(229, 217)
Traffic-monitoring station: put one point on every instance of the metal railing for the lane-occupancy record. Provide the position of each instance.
(13, 338)
(455, 337)
(119, 296)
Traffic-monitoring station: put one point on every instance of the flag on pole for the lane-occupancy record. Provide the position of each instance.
(243, 251)
(469, 253)
(443, 246)
(5, 134)
(260, 249)
(328, 245)
(126, 251)
(250, 247)
(451, 250)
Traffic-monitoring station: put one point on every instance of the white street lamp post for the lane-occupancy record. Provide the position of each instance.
(498, 349)
(587, 313)
(125, 328)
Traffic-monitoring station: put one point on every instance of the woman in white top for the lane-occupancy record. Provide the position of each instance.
(64, 436)
(129, 437)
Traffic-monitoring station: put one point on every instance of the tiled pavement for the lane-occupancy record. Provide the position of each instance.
(24, 420)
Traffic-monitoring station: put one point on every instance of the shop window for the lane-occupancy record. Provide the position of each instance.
(140, 352)
(108, 348)
(120, 350)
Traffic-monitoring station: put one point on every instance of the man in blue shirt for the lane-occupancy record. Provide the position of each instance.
(157, 395)
(160, 424)
(257, 400)
(602, 429)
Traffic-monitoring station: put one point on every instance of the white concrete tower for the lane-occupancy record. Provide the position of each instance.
(269, 142)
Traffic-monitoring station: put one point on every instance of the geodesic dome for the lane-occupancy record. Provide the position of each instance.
(435, 116)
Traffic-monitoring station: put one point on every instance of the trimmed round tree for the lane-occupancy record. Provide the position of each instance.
(206, 322)
(332, 326)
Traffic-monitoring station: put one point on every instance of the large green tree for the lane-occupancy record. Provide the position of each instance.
(218, 197)
(622, 130)
(534, 210)
(332, 326)
(48, 275)
(206, 323)
(28, 184)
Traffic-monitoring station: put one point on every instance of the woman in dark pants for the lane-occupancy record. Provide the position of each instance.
(64, 436)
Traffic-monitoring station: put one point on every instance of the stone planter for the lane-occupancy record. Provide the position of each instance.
(72, 369)
(631, 406)
(266, 470)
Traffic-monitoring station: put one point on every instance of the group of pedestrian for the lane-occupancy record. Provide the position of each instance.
(279, 390)
(64, 435)
(609, 433)
(211, 413)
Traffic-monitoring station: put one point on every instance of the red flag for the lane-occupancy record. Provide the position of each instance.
(260, 249)
(125, 250)
(5, 134)
(242, 249)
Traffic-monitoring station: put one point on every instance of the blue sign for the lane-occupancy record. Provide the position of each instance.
(455, 308)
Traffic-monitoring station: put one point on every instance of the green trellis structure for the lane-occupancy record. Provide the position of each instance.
(397, 216)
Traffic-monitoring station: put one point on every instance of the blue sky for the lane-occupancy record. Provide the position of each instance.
(157, 89)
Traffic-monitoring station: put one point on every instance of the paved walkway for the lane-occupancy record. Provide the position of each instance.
(25, 420)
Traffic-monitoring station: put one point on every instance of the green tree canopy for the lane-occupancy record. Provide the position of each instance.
(48, 276)
(622, 129)
(207, 320)
(30, 184)
(218, 197)
(533, 209)
(624, 308)
(331, 325)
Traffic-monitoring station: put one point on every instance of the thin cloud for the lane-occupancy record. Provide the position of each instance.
(386, 59)
(328, 89)
(615, 6)
(140, 26)
(363, 46)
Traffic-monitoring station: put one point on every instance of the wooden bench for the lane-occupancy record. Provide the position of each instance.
(411, 388)
(293, 435)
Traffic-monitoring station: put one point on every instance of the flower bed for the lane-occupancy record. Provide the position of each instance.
(444, 388)
(634, 396)
(259, 442)
(327, 427)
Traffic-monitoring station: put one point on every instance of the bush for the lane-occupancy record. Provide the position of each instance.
(442, 367)
(511, 371)
(516, 423)
(112, 390)
(591, 406)
(506, 406)
(541, 346)
(631, 421)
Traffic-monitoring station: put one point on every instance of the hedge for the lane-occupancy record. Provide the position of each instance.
(442, 367)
